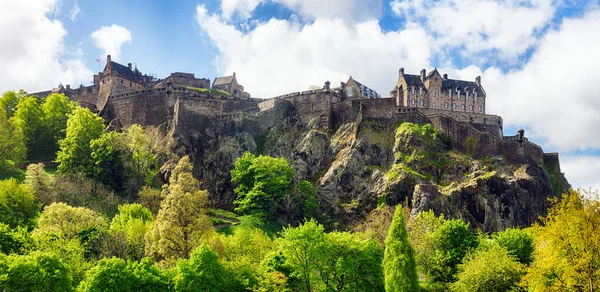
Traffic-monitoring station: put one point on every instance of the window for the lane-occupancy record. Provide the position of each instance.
(458, 94)
(475, 97)
(420, 90)
(350, 91)
(436, 93)
(454, 106)
(121, 81)
(412, 102)
(449, 93)
(470, 108)
(130, 84)
(462, 106)
(446, 105)
(480, 109)
(467, 96)
(422, 102)
(413, 90)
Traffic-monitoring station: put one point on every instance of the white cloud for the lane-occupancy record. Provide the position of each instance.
(554, 96)
(281, 56)
(504, 28)
(33, 54)
(581, 171)
(243, 8)
(110, 39)
(74, 12)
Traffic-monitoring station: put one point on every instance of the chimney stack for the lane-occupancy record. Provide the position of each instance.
(478, 80)
(129, 66)
(401, 72)
(423, 75)
(68, 87)
(108, 60)
(445, 76)
(327, 85)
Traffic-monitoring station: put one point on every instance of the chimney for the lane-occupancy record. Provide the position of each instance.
(423, 75)
(234, 74)
(68, 87)
(129, 66)
(108, 60)
(401, 73)
(445, 76)
(478, 80)
(327, 85)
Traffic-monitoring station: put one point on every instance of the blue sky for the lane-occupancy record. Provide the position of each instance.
(538, 58)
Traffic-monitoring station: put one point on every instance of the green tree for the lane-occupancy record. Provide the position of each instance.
(75, 151)
(18, 206)
(12, 144)
(421, 233)
(181, 223)
(56, 109)
(9, 101)
(399, 264)
(263, 182)
(453, 240)
(115, 274)
(29, 118)
(150, 198)
(488, 270)
(307, 199)
(14, 240)
(567, 246)
(132, 223)
(202, 272)
(517, 242)
(34, 272)
(107, 161)
(67, 221)
(40, 183)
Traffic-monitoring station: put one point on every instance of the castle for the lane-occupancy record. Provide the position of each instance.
(124, 96)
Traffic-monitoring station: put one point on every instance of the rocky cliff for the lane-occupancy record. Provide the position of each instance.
(362, 164)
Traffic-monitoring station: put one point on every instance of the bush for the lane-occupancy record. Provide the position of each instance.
(118, 275)
(18, 206)
(517, 242)
(34, 272)
(202, 272)
(453, 240)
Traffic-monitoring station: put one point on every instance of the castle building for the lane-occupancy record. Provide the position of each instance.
(231, 85)
(434, 91)
(355, 89)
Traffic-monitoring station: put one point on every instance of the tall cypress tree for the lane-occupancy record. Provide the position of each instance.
(399, 266)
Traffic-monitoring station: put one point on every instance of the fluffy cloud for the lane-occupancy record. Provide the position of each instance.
(74, 11)
(243, 8)
(33, 54)
(280, 56)
(554, 95)
(581, 171)
(505, 28)
(110, 39)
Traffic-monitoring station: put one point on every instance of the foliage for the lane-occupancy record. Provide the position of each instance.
(132, 222)
(12, 144)
(470, 145)
(489, 270)
(567, 246)
(181, 223)
(307, 199)
(18, 206)
(517, 242)
(426, 132)
(69, 250)
(209, 90)
(262, 182)
(67, 221)
(202, 272)
(14, 240)
(56, 109)
(29, 119)
(34, 272)
(75, 151)
(9, 102)
(150, 198)
(400, 268)
(453, 240)
(421, 232)
(118, 275)
(107, 161)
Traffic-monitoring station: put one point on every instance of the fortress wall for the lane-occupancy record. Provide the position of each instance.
(483, 122)
(87, 95)
(552, 162)
(188, 79)
(378, 107)
(486, 144)
(146, 107)
(267, 104)
(239, 105)
(202, 106)
(312, 104)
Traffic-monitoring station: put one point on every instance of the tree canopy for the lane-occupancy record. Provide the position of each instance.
(75, 150)
(400, 268)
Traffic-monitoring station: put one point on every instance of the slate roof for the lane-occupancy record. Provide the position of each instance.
(223, 80)
(412, 79)
(460, 84)
(124, 71)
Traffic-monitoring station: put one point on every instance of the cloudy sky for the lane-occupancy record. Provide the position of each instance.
(539, 59)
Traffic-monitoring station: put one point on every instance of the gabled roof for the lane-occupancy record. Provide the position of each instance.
(460, 84)
(123, 71)
(431, 73)
(223, 80)
(412, 79)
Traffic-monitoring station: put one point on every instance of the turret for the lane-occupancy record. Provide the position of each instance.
(129, 66)
(327, 85)
(108, 60)
(521, 134)
(445, 76)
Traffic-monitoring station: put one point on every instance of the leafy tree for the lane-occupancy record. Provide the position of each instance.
(40, 183)
(75, 150)
(29, 118)
(12, 144)
(107, 161)
(115, 274)
(309, 204)
(67, 221)
(18, 206)
(262, 182)
(567, 246)
(34, 272)
(488, 270)
(14, 240)
(202, 272)
(150, 198)
(181, 223)
(517, 242)
(69, 250)
(9, 101)
(453, 240)
(132, 222)
(56, 109)
(399, 264)
(422, 235)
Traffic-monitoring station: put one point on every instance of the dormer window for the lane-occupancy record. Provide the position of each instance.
(467, 96)
(422, 102)
(413, 90)
(474, 95)
(420, 90)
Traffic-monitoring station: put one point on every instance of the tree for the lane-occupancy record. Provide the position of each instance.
(14, 240)
(9, 101)
(150, 198)
(262, 182)
(517, 242)
(34, 272)
(12, 144)
(18, 206)
(453, 240)
(132, 222)
(29, 118)
(75, 150)
(56, 109)
(115, 274)
(107, 161)
(488, 270)
(202, 272)
(67, 221)
(400, 268)
(181, 223)
(421, 232)
(567, 246)
(40, 183)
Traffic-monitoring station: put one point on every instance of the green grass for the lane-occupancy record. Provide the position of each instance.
(221, 213)
(209, 90)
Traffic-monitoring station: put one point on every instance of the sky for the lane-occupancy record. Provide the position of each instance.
(538, 59)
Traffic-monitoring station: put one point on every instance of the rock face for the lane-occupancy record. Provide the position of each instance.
(365, 163)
